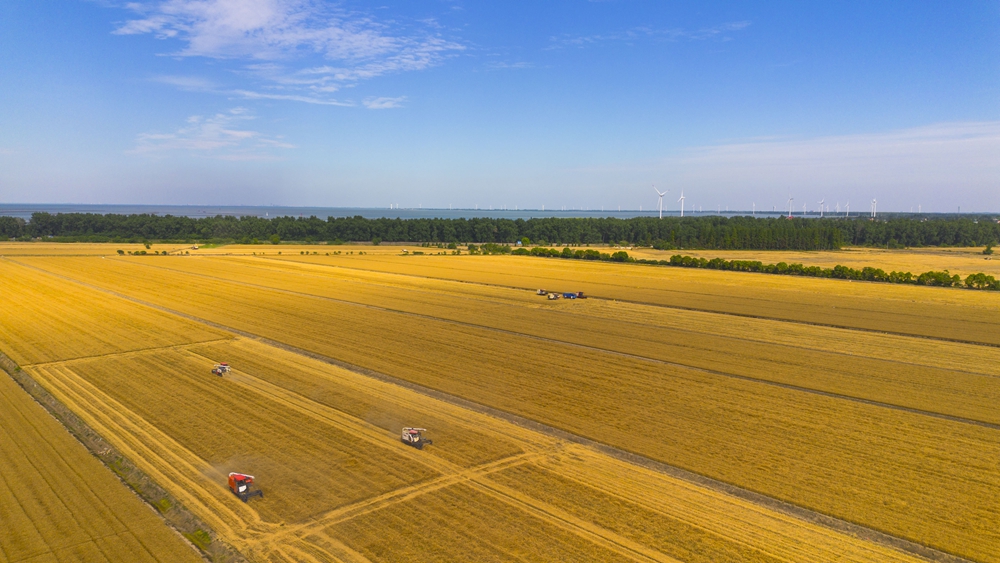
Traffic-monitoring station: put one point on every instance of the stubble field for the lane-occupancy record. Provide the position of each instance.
(892, 431)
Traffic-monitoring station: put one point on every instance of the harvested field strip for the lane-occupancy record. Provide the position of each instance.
(68, 321)
(958, 395)
(957, 315)
(187, 477)
(829, 455)
(58, 503)
(233, 430)
(468, 439)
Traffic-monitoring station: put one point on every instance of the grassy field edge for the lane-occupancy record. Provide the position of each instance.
(178, 518)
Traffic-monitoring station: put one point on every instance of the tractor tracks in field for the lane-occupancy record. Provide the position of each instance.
(125, 354)
(784, 507)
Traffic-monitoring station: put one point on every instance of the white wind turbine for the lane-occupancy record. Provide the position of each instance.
(847, 212)
(874, 207)
(821, 202)
(681, 199)
(661, 194)
(754, 210)
(790, 200)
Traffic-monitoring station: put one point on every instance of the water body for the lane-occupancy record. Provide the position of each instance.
(24, 211)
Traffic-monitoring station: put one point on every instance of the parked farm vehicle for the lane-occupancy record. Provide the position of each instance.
(220, 369)
(242, 486)
(541, 292)
(569, 295)
(553, 296)
(413, 437)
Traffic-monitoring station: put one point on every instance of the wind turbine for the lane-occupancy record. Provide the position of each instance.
(847, 213)
(661, 194)
(821, 202)
(790, 200)
(838, 207)
(874, 207)
(682, 202)
(754, 210)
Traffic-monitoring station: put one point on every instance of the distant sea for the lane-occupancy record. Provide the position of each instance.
(24, 211)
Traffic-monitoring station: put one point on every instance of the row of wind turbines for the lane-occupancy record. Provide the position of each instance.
(823, 207)
(821, 203)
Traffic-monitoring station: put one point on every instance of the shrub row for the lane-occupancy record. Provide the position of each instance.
(934, 278)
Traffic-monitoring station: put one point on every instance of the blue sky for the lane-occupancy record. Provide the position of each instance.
(449, 102)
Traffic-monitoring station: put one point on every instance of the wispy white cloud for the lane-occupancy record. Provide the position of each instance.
(251, 95)
(717, 32)
(500, 65)
(189, 83)
(384, 103)
(221, 136)
(277, 42)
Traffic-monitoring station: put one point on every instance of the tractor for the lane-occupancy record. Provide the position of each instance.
(413, 437)
(220, 369)
(240, 485)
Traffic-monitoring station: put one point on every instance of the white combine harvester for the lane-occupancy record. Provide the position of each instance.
(413, 437)
(220, 369)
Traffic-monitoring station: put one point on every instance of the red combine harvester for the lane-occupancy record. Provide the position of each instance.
(240, 485)
(221, 369)
(413, 437)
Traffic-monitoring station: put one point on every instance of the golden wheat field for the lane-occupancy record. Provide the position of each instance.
(59, 504)
(857, 404)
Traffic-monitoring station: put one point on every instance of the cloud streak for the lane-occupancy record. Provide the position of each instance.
(384, 103)
(720, 32)
(220, 136)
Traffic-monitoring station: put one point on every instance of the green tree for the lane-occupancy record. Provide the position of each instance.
(121, 253)
(376, 241)
(275, 239)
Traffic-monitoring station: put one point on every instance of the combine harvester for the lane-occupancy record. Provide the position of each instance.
(413, 437)
(240, 485)
(220, 369)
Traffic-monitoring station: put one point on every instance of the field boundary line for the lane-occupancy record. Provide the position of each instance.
(676, 307)
(789, 386)
(778, 505)
(178, 518)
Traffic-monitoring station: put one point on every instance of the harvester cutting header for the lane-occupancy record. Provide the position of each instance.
(242, 486)
(413, 437)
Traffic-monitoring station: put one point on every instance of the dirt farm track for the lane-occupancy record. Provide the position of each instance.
(676, 415)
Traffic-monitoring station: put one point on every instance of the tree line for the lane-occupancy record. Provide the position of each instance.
(723, 233)
(932, 278)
